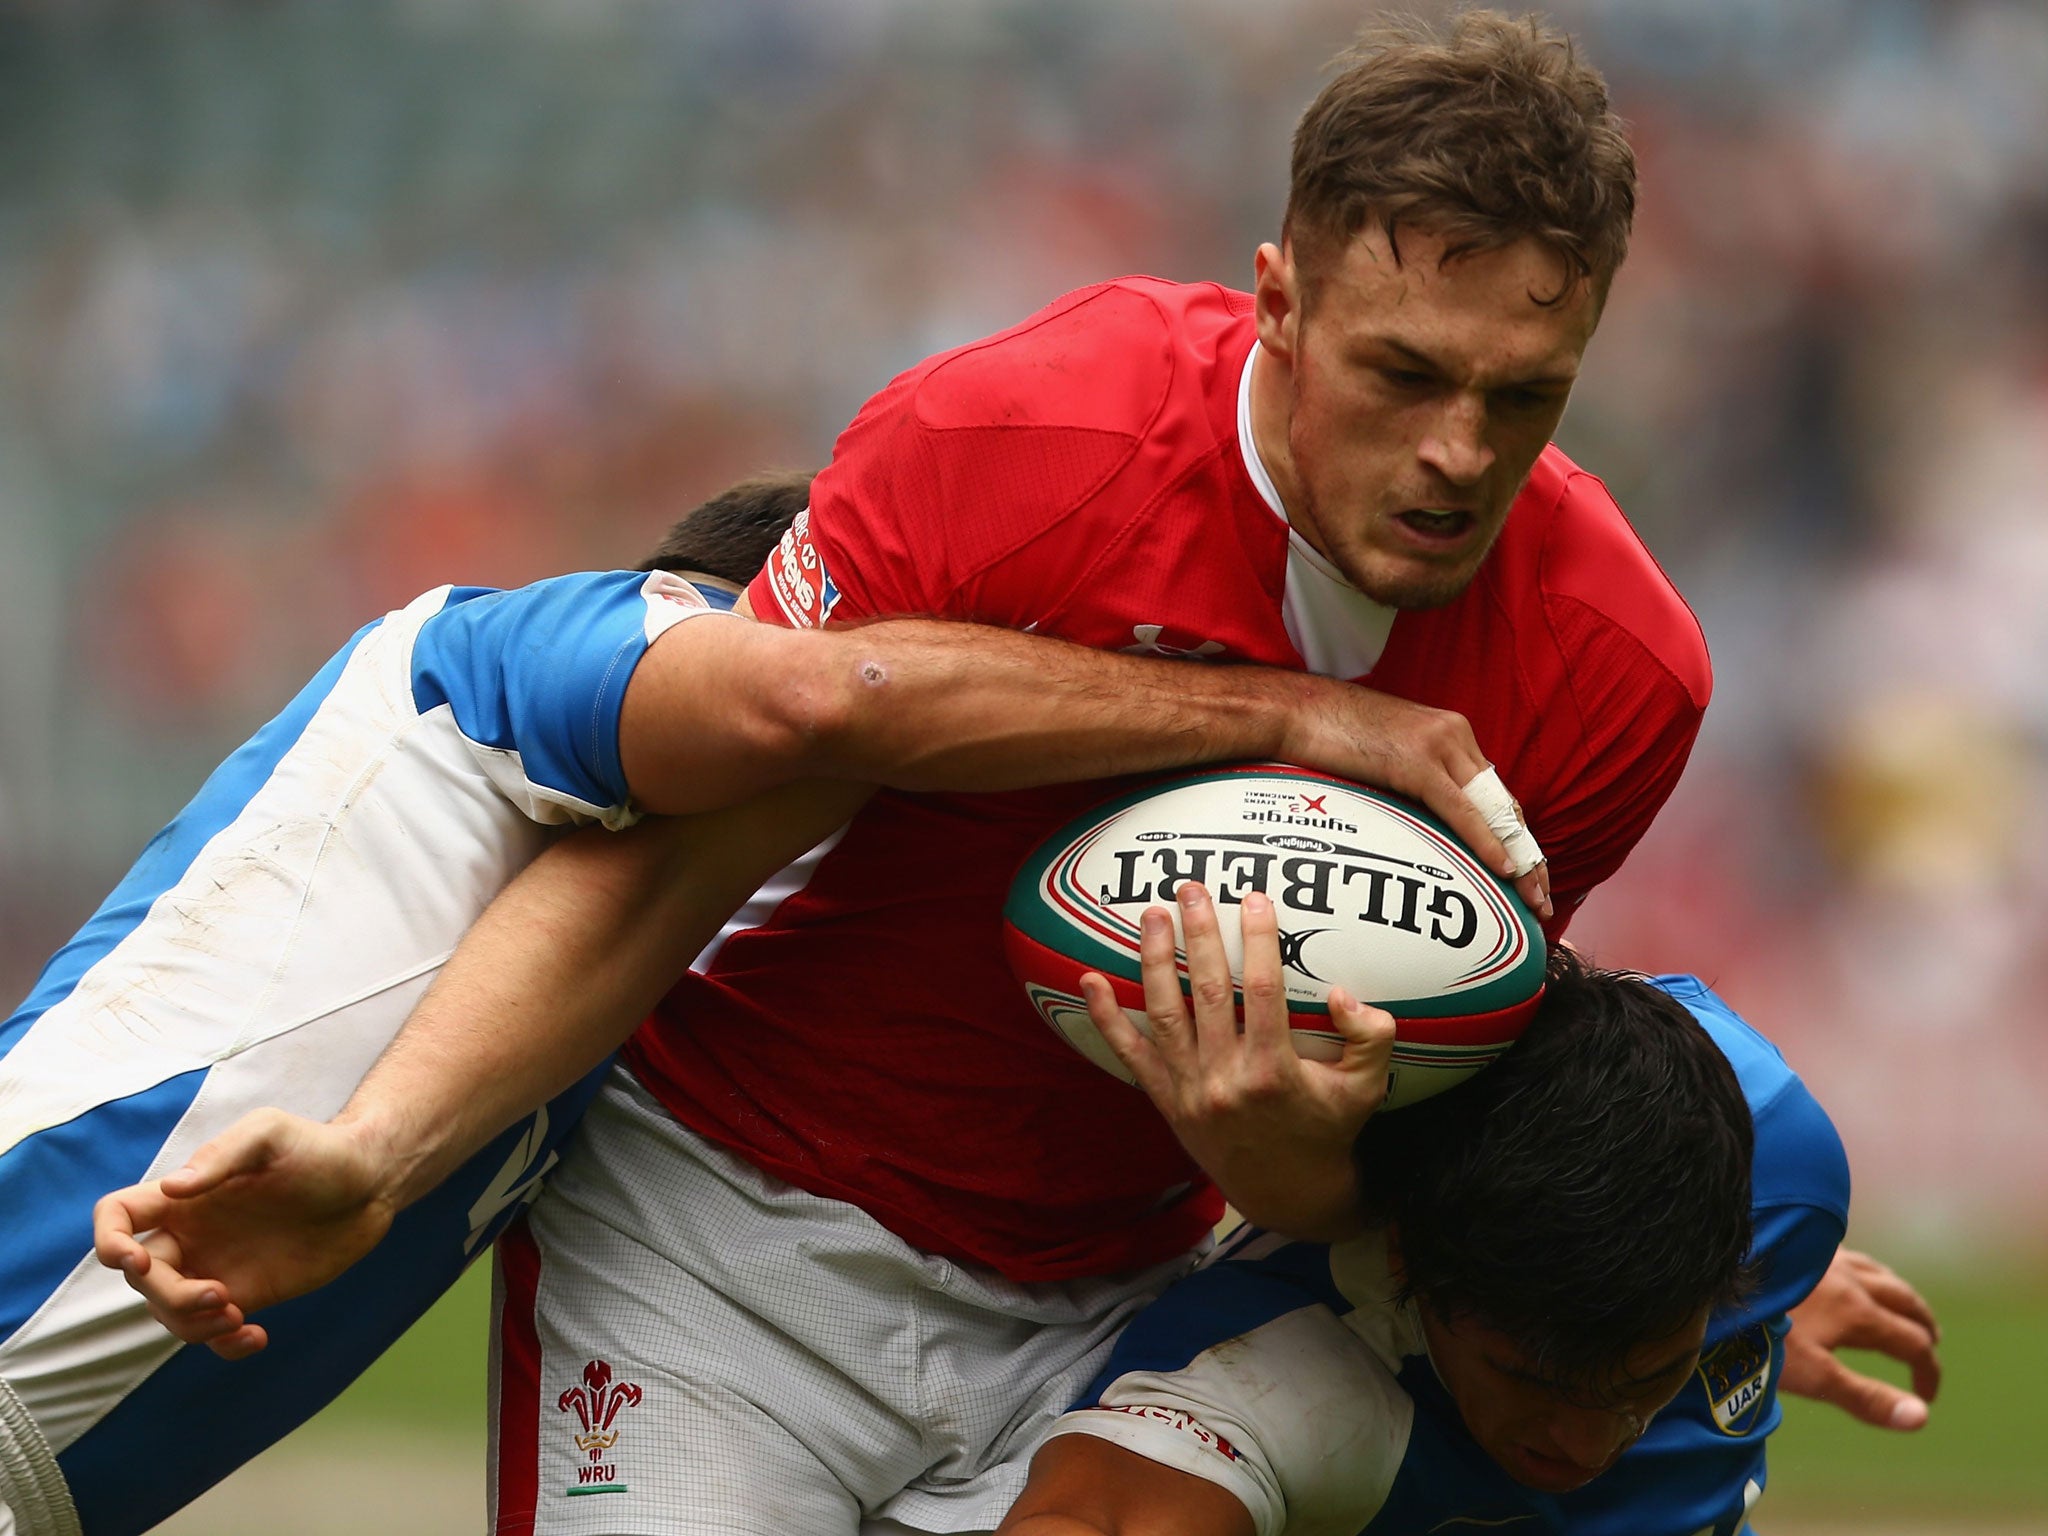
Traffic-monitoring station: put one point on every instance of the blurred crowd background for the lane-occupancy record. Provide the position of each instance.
(308, 307)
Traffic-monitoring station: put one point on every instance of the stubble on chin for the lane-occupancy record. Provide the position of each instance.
(1415, 593)
(1413, 587)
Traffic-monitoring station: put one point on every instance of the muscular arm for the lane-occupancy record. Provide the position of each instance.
(717, 710)
(925, 704)
(554, 975)
(562, 967)
(1082, 1486)
(565, 963)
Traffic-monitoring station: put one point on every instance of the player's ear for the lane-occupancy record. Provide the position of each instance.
(1276, 300)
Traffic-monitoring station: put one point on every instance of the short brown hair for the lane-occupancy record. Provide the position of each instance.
(1490, 132)
(732, 535)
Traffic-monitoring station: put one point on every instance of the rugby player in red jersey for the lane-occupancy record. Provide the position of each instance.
(1347, 471)
(852, 1223)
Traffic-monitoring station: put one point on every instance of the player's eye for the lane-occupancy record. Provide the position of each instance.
(1405, 378)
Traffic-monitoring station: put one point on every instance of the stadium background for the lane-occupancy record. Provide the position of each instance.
(307, 307)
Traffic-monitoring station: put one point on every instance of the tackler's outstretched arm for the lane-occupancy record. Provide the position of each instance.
(552, 978)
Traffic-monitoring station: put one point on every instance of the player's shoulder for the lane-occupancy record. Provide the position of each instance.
(1353, 1282)
(1253, 1280)
(1008, 466)
(537, 675)
(1759, 1065)
(1103, 359)
(558, 609)
(1251, 1358)
(1799, 1154)
(1604, 597)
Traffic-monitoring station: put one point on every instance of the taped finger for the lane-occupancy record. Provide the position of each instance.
(1504, 816)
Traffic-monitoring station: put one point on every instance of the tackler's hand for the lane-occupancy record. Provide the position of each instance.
(273, 1207)
(1272, 1129)
(1862, 1304)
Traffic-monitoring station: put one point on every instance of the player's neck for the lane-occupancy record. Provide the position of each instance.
(1272, 406)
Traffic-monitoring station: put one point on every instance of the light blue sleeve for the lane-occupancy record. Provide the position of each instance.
(1799, 1178)
(534, 679)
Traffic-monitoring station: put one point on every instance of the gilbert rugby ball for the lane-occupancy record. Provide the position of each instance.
(1372, 893)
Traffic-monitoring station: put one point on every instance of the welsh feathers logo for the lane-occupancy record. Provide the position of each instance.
(597, 1404)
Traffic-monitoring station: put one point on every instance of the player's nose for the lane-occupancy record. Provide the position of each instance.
(1455, 447)
(1589, 1437)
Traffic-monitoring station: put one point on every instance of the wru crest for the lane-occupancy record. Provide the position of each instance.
(596, 1404)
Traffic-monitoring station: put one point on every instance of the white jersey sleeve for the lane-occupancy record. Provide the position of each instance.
(533, 679)
(1231, 1378)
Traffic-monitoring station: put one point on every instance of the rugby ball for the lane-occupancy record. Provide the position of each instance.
(1372, 893)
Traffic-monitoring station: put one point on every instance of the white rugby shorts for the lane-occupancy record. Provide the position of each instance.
(684, 1344)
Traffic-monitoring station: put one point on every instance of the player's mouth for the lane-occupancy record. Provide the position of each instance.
(1440, 529)
(1547, 1474)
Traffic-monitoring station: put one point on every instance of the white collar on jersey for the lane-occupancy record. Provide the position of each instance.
(1339, 631)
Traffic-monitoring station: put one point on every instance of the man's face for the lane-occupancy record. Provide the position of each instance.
(1546, 1436)
(1421, 393)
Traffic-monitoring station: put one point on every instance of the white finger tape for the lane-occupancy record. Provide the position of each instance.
(1492, 800)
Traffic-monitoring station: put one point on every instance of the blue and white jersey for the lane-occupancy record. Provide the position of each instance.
(1290, 1375)
(263, 950)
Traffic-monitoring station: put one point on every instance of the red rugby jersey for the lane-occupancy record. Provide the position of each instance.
(1086, 475)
